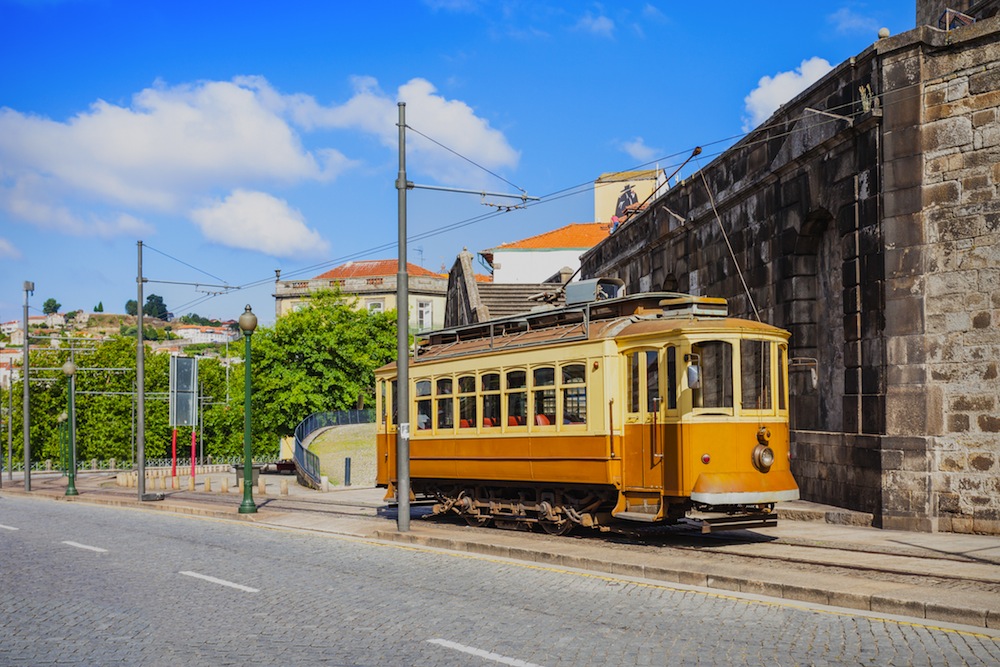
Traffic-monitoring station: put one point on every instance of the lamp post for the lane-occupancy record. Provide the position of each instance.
(63, 441)
(69, 368)
(248, 322)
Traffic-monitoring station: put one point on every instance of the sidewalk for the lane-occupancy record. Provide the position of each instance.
(941, 577)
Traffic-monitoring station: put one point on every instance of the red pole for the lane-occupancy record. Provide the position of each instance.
(173, 449)
(194, 439)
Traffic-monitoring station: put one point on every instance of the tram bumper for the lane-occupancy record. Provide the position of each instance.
(744, 488)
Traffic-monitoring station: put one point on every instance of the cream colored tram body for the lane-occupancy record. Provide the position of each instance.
(645, 408)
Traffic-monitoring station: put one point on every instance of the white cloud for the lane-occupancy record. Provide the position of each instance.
(261, 222)
(452, 123)
(773, 91)
(846, 21)
(166, 144)
(638, 150)
(103, 170)
(8, 250)
(597, 25)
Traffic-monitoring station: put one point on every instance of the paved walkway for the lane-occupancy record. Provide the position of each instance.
(944, 578)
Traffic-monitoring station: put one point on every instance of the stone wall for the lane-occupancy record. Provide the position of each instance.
(863, 218)
(942, 449)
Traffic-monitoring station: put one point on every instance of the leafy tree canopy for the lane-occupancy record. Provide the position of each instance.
(99, 308)
(131, 307)
(321, 357)
(51, 306)
(155, 307)
(193, 318)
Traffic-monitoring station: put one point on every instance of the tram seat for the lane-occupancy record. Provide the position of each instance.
(542, 420)
(464, 423)
(487, 422)
(515, 421)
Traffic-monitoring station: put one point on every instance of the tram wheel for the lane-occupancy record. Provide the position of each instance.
(553, 528)
(476, 520)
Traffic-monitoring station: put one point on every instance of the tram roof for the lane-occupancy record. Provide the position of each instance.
(635, 314)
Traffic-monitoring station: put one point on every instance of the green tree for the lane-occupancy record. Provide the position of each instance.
(321, 357)
(51, 306)
(99, 308)
(131, 307)
(155, 307)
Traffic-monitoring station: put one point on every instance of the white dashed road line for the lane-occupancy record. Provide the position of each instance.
(8, 527)
(87, 547)
(221, 582)
(478, 652)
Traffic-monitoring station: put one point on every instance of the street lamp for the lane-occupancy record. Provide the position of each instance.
(248, 322)
(69, 368)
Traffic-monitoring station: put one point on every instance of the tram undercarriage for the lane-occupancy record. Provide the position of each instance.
(557, 511)
(554, 510)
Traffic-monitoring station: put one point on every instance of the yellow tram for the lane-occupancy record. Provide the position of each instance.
(650, 407)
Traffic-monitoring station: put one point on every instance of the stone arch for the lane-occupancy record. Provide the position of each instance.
(815, 290)
(669, 283)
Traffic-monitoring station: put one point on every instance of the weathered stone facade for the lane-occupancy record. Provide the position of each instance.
(865, 218)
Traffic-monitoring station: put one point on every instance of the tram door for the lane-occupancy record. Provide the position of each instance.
(642, 464)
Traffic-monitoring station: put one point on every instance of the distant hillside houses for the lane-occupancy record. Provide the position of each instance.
(54, 320)
(194, 333)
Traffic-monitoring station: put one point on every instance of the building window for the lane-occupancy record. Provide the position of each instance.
(425, 315)
(375, 306)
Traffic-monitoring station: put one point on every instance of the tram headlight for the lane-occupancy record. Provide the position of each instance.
(763, 458)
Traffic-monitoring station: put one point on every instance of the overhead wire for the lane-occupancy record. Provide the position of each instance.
(877, 100)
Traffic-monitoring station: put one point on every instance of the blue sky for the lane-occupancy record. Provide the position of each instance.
(238, 137)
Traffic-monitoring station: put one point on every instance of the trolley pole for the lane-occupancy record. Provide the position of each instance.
(402, 346)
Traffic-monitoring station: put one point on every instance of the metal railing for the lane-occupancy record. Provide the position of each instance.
(307, 462)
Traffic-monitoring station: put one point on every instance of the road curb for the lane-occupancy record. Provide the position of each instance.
(953, 607)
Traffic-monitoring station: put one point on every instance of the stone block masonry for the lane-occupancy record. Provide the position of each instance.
(875, 240)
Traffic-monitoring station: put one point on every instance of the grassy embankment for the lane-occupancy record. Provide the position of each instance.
(356, 441)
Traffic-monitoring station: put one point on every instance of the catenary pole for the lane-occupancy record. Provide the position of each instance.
(29, 287)
(402, 346)
(140, 394)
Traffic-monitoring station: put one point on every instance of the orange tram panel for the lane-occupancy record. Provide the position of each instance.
(646, 408)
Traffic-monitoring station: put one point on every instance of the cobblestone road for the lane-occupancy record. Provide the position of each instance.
(94, 585)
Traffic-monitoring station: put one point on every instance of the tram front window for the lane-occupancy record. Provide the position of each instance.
(716, 375)
(755, 374)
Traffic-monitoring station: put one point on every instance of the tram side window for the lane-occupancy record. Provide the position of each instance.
(543, 392)
(467, 402)
(671, 378)
(392, 398)
(445, 404)
(424, 410)
(517, 398)
(491, 399)
(574, 394)
(716, 389)
(381, 403)
(755, 374)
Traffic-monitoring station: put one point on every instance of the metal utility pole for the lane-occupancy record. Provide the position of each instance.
(140, 383)
(402, 346)
(29, 288)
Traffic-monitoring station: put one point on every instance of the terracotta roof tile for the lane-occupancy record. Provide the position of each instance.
(578, 235)
(368, 268)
